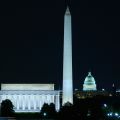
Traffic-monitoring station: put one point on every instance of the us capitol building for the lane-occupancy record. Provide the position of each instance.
(89, 83)
(90, 88)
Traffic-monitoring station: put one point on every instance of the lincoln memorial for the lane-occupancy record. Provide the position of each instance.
(30, 97)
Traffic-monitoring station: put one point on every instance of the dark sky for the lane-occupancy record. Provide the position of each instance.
(32, 42)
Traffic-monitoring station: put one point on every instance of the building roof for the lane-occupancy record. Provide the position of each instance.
(27, 86)
(89, 79)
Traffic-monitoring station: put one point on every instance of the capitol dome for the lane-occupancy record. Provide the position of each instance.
(89, 83)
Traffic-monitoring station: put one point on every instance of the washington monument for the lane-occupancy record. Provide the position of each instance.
(67, 60)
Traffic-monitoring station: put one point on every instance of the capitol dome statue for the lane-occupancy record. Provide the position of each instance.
(89, 83)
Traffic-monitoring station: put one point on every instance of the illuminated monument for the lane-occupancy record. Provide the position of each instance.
(67, 60)
(89, 83)
(30, 97)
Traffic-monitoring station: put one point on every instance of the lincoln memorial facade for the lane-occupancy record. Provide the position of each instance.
(30, 97)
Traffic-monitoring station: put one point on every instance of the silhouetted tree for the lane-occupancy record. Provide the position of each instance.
(7, 108)
(52, 111)
(67, 112)
(44, 110)
(48, 111)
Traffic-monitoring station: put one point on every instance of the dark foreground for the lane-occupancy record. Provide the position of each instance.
(4, 118)
(10, 118)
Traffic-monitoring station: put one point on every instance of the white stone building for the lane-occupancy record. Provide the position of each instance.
(30, 97)
(89, 83)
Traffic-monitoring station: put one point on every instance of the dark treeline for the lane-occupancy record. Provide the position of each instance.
(95, 108)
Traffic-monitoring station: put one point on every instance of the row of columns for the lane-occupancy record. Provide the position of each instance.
(31, 102)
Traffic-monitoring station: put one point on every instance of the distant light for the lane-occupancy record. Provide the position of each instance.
(110, 94)
(89, 113)
(103, 89)
(116, 114)
(105, 105)
(76, 89)
(44, 114)
(110, 114)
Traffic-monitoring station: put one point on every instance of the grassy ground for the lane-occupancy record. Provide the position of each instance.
(27, 115)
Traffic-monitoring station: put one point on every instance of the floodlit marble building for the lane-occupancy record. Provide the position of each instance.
(89, 83)
(30, 97)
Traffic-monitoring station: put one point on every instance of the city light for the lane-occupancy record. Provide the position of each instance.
(116, 114)
(44, 114)
(105, 105)
(113, 115)
(110, 114)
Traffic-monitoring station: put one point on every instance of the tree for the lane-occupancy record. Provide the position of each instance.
(44, 110)
(7, 108)
(48, 111)
(67, 112)
(52, 111)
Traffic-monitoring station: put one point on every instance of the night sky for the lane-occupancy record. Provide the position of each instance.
(32, 42)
